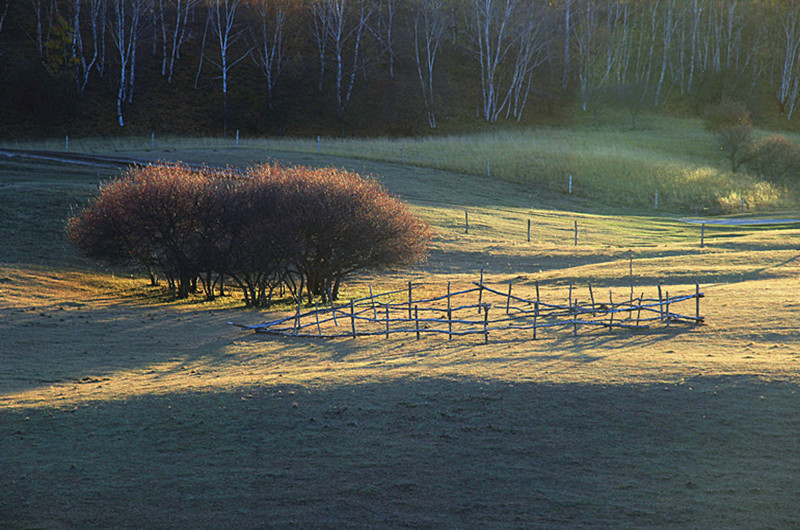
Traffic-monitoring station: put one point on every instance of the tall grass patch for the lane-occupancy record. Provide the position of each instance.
(612, 165)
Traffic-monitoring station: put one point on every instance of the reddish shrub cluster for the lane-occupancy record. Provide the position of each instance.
(271, 227)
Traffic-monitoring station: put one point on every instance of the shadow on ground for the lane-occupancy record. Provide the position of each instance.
(425, 453)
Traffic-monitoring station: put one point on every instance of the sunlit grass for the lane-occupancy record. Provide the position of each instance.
(609, 164)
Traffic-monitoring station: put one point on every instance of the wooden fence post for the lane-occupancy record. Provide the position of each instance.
(697, 302)
(630, 274)
(416, 320)
(575, 320)
(508, 300)
(591, 296)
(480, 293)
(660, 303)
(297, 316)
(576, 233)
(316, 314)
(639, 312)
(702, 235)
(666, 314)
(449, 315)
(611, 310)
(570, 298)
(409, 300)
(372, 299)
(466, 222)
(353, 318)
(333, 309)
(529, 230)
(486, 323)
(535, 318)
(387, 320)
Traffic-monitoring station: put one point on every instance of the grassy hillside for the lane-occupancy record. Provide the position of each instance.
(118, 409)
(611, 165)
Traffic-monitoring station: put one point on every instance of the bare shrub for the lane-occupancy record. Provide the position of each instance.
(157, 217)
(296, 229)
(344, 223)
(776, 159)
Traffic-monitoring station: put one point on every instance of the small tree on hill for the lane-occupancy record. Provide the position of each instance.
(730, 121)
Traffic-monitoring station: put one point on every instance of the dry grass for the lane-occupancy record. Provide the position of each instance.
(121, 410)
(611, 164)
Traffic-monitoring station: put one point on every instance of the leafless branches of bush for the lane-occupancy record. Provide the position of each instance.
(272, 227)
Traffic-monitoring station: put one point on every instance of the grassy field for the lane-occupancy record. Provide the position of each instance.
(610, 164)
(121, 409)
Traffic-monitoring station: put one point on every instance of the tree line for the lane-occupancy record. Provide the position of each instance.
(259, 61)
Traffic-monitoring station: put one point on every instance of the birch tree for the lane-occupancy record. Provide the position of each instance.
(125, 24)
(4, 8)
(566, 47)
(174, 17)
(269, 32)
(224, 25)
(429, 26)
(88, 53)
(535, 33)
(587, 47)
(383, 30)
(788, 58)
(344, 23)
(493, 38)
(321, 20)
(669, 25)
(508, 38)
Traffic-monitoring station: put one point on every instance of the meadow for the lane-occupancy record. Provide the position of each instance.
(121, 408)
(610, 164)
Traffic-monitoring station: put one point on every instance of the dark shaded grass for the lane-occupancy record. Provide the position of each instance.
(430, 453)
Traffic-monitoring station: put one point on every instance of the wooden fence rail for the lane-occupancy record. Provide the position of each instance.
(398, 312)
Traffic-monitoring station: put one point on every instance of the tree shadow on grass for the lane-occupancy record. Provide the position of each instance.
(421, 453)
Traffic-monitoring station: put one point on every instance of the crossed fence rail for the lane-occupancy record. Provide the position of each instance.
(481, 310)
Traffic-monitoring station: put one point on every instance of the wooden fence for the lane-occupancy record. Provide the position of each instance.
(483, 310)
